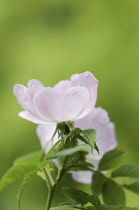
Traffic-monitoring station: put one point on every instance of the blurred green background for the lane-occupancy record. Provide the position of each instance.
(50, 41)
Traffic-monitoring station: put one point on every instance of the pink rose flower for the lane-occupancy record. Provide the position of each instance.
(67, 101)
(97, 119)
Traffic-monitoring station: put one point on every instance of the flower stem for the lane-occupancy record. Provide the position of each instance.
(50, 197)
(51, 189)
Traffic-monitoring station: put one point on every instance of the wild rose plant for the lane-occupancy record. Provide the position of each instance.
(76, 138)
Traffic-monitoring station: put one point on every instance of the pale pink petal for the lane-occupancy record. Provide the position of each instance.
(94, 158)
(74, 80)
(100, 116)
(98, 119)
(74, 103)
(45, 133)
(53, 105)
(47, 103)
(63, 86)
(28, 116)
(82, 176)
(107, 139)
(85, 122)
(33, 87)
(91, 83)
(87, 80)
(20, 92)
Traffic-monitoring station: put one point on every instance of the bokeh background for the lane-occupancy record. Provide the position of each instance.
(51, 40)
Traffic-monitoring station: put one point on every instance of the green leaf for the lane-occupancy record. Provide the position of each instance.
(111, 159)
(91, 208)
(32, 158)
(81, 197)
(111, 207)
(65, 207)
(14, 173)
(98, 181)
(127, 170)
(77, 195)
(69, 151)
(94, 200)
(117, 207)
(89, 136)
(67, 203)
(134, 187)
(21, 167)
(113, 194)
(23, 186)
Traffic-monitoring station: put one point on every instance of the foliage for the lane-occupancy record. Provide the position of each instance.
(69, 155)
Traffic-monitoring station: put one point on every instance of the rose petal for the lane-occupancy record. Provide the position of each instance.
(82, 176)
(94, 119)
(74, 103)
(20, 92)
(107, 139)
(33, 87)
(47, 102)
(28, 116)
(87, 80)
(45, 133)
(98, 119)
(74, 80)
(100, 116)
(85, 122)
(63, 86)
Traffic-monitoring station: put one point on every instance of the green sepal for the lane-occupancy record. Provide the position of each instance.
(81, 166)
(89, 136)
(54, 148)
(70, 125)
(71, 138)
(96, 148)
(111, 159)
(43, 162)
